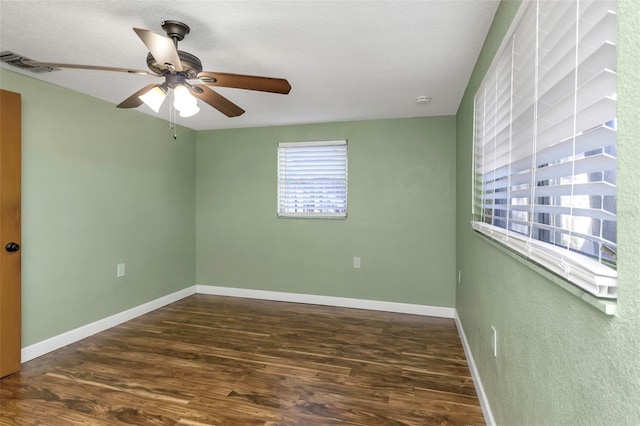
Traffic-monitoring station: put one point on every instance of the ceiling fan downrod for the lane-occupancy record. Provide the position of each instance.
(175, 30)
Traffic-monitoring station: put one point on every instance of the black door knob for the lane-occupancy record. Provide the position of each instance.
(12, 247)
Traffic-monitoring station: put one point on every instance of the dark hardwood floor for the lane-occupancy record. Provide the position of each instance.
(209, 360)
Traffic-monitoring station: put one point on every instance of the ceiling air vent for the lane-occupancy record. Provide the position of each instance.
(16, 60)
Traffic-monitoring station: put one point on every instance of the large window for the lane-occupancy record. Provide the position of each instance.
(545, 141)
(312, 179)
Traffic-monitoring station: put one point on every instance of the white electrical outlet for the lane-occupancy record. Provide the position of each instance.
(494, 341)
(356, 262)
(120, 270)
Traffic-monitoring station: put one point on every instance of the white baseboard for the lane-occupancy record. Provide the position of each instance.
(343, 302)
(482, 396)
(56, 342)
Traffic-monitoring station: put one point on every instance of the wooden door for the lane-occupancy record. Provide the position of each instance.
(10, 299)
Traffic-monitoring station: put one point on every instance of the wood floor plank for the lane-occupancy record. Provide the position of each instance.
(210, 360)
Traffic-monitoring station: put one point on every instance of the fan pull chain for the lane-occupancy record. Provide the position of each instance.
(172, 118)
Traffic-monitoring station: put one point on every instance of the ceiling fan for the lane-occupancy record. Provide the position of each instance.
(177, 67)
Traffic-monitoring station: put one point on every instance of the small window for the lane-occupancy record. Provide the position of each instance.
(312, 179)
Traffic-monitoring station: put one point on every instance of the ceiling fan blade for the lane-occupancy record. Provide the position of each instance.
(217, 101)
(162, 48)
(134, 100)
(249, 82)
(88, 67)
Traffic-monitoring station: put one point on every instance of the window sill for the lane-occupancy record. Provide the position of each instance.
(608, 307)
(308, 216)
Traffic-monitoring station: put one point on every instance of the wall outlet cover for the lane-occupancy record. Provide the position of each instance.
(494, 341)
(120, 270)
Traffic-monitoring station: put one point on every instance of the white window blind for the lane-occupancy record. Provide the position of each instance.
(545, 141)
(312, 179)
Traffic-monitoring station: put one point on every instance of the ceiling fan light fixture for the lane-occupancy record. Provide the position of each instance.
(190, 112)
(154, 98)
(183, 100)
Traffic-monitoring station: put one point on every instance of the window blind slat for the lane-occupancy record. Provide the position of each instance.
(564, 210)
(589, 188)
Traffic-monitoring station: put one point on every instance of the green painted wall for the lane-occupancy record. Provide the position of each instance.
(100, 186)
(103, 186)
(401, 214)
(560, 361)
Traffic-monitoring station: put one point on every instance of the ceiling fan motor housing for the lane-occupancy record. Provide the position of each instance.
(191, 65)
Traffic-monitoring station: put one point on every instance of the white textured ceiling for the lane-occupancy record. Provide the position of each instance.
(345, 60)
